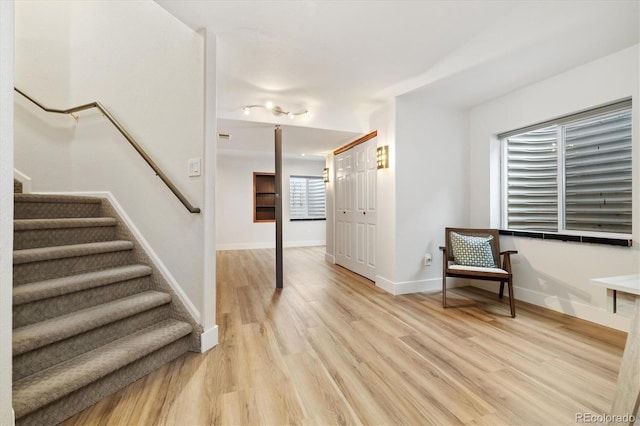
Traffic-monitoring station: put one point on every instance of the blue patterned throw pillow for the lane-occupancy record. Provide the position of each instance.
(472, 251)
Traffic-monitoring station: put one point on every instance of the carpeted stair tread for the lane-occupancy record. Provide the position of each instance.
(39, 334)
(29, 224)
(90, 314)
(31, 292)
(44, 387)
(55, 198)
(74, 250)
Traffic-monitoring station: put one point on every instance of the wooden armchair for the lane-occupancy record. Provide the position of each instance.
(475, 253)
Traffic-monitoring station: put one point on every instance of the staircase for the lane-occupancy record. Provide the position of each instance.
(90, 312)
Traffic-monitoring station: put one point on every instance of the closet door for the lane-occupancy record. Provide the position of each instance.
(356, 209)
(344, 210)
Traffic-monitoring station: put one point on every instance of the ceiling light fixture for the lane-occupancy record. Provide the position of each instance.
(276, 110)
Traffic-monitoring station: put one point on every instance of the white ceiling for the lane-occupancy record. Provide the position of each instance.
(296, 140)
(342, 59)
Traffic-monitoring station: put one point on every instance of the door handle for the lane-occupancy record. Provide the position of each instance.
(364, 212)
(344, 212)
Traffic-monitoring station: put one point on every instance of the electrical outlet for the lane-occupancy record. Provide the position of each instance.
(427, 259)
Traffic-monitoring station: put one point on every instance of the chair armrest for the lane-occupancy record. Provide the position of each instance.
(506, 261)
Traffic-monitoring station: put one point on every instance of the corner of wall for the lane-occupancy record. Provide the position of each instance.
(7, 49)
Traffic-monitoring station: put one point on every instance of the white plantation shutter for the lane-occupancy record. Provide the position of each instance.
(316, 197)
(306, 197)
(532, 184)
(582, 162)
(598, 174)
(297, 197)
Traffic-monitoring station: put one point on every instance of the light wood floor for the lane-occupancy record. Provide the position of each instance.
(331, 348)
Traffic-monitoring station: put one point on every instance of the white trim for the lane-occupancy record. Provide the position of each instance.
(311, 243)
(330, 258)
(208, 339)
(572, 308)
(268, 245)
(568, 307)
(385, 284)
(23, 179)
(431, 285)
(244, 246)
(166, 274)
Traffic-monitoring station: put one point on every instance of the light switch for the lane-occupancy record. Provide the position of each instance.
(193, 166)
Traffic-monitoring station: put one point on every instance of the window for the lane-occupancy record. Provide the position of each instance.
(571, 175)
(306, 198)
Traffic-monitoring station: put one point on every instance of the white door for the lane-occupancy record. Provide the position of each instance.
(356, 209)
(344, 210)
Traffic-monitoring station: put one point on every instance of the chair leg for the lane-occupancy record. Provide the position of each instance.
(502, 289)
(444, 291)
(512, 302)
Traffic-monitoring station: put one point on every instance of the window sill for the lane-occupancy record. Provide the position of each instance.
(308, 219)
(573, 238)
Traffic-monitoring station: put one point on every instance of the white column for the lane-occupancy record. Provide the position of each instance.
(6, 206)
(209, 337)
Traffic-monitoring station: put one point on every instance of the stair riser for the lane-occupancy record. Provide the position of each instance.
(36, 238)
(44, 357)
(35, 210)
(77, 401)
(41, 310)
(48, 269)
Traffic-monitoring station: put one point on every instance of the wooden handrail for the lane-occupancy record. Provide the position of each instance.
(127, 136)
(358, 141)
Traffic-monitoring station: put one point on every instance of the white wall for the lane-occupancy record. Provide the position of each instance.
(146, 68)
(384, 121)
(43, 71)
(6, 207)
(551, 273)
(234, 200)
(42, 54)
(432, 187)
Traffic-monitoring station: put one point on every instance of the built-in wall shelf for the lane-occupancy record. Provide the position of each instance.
(264, 197)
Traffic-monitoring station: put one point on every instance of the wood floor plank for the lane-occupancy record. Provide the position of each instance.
(321, 399)
(331, 348)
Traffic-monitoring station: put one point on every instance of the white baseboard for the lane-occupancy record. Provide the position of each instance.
(385, 284)
(23, 179)
(268, 245)
(572, 308)
(431, 285)
(311, 243)
(208, 339)
(575, 309)
(244, 246)
(166, 274)
(330, 258)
